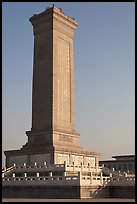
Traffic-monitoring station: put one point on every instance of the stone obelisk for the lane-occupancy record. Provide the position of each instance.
(52, 137)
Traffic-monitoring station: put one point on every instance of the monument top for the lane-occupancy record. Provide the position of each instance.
(57, 13)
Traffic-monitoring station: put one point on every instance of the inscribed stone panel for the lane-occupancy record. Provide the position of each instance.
(63, 82)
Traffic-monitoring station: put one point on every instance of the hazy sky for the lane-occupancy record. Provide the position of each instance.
(104, 65)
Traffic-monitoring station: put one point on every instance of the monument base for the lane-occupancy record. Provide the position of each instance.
(52, 155)
(51, 147)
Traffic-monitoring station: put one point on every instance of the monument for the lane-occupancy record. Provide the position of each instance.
(52, 138)
(52, 164)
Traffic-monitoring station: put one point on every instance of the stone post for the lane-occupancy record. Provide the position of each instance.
(13, 175)
(65, 165)
(73, 166)
(38, 174)
(45, 163)
(89, 165)
(101, 178)
(125, 174)
(79, 177)
(25, 174)
(91, 177)
(96, 163)
(81, 166)
(50, 174)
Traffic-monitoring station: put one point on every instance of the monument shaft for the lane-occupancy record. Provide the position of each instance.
(53, 75)
(53, 79)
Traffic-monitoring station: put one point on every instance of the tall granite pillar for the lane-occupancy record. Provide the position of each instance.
(53, 78)
(52, 138)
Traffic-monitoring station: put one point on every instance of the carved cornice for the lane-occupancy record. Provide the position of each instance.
(50, 16)
(65, 19)
(57, 12)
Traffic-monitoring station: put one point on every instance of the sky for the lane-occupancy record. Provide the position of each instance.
(104, 71)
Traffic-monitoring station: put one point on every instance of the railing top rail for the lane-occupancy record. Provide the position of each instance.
(7, 169)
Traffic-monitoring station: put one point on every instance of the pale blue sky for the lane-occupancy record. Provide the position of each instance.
(104, 64)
